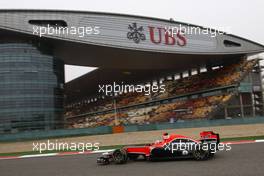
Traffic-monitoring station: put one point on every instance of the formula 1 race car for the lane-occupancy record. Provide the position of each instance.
(172, 146)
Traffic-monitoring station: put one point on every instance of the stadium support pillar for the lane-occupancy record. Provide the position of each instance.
(198, 70)
(241, 105)
(253, 105)
(190, 72)
(116, 121)
(209, 68)
(181, 75)
(173, 77)
(261, 77)
(226, 113)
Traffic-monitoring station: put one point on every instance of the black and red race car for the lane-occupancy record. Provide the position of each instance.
(172, 146)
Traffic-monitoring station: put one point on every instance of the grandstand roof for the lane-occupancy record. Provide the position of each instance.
(117, 46)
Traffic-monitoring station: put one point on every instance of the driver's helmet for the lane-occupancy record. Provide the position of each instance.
(165, 136)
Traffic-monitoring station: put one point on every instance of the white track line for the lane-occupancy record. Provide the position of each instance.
(38, 155)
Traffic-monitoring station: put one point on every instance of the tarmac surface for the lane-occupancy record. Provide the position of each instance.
(242, 160)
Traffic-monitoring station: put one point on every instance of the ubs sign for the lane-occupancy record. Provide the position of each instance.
(137, 34)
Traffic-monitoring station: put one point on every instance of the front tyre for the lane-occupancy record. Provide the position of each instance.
(119, 156)
(103, 161)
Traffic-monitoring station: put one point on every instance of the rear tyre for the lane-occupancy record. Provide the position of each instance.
(119, 156)
(210, 155)
(201, 155)
(150, 158)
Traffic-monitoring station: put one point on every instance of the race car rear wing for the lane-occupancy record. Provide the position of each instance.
(209, 136)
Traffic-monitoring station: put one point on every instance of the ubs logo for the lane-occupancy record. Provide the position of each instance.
(136, 33)
(156, 35)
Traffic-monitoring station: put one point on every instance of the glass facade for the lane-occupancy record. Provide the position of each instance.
(31, 88)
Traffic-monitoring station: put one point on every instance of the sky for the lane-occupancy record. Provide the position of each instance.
(241, 17)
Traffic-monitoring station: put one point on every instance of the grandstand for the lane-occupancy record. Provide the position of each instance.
(224, 91)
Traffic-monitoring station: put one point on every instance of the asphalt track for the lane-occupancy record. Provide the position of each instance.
(242, 160)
